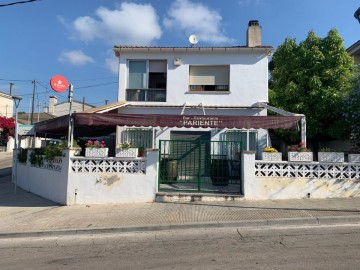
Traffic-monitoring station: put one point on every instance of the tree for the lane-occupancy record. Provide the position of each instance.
(7, 126)
(314, 78)
(353, 117)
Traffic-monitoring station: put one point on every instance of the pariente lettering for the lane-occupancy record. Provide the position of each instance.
(200, 121)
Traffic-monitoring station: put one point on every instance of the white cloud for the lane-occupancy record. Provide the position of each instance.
(76, 58)
(128, 24)
(112, 64)
(196, 18)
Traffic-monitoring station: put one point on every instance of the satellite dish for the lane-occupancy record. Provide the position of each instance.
(193, 40)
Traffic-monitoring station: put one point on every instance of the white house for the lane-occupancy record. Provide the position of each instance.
(62, 108)
(187, 81)
(6, 105)
(199, 106)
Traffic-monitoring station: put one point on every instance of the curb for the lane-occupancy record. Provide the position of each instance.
(310, 221)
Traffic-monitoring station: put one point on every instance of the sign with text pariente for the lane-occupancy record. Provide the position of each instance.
(200, 121)
(59, 83)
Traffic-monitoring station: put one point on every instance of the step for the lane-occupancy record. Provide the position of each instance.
(196, 197)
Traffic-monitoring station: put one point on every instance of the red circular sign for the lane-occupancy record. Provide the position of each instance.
(59, 83)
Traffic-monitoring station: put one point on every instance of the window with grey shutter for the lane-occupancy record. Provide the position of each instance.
(209, 78)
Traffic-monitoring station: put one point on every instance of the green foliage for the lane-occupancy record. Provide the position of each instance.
(22, 155)
(314, 78)
(48, 153)
(37, 157)
(353, 117)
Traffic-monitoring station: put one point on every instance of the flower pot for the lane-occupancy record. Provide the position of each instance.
(300, 156)
(331, 157)
(271, 156)
(96, 152)
(126, 152)
(354, 158)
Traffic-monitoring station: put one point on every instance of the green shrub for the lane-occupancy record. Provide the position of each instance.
(22, 155)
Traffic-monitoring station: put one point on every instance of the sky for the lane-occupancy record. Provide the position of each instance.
(75, 38)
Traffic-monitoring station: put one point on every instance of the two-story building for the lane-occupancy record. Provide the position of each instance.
(198, 84)
(200, 106)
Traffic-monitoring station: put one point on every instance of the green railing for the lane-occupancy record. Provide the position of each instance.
(200, 166)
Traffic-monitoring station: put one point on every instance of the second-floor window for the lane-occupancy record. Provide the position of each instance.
(147, 80)
(209, 78)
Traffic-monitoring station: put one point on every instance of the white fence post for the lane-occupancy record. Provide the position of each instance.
(248, 172)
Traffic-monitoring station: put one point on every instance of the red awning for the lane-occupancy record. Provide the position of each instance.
(205, 121)
(87, 124)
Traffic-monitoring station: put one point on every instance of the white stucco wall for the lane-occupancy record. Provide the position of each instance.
(248, 76)
(48, 184)
(6, 106)
(69, 188)
(275, 188)
(107, 188)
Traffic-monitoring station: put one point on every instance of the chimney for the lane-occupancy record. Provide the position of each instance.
(253, 34)
(52, 103)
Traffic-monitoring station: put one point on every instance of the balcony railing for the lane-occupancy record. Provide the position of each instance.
(146, 95)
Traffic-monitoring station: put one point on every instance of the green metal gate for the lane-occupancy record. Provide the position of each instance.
(200, 166)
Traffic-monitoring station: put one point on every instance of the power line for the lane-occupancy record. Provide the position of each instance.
(18, 2)
(94, 85)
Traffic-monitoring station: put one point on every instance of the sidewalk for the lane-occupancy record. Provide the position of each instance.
(25, 214)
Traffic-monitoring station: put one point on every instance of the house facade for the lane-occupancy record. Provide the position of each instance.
(6, 105)
(62, 108)
(192, 82)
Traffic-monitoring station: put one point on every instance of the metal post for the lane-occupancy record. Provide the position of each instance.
(17, 102)
(303, 130)
(71, 89)
(33, 103)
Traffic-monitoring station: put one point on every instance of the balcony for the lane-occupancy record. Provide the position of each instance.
(146, 95)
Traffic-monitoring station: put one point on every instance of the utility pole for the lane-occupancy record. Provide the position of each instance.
(11, 88)
(33, 103)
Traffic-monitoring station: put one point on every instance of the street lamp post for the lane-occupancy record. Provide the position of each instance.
(17, 100)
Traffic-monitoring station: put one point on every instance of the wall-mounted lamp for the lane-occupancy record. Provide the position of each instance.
(177, 61)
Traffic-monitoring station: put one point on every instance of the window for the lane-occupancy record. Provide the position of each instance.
(147, 74)
(140, 137)
(209, 78)
(147, 80)
(248, 138)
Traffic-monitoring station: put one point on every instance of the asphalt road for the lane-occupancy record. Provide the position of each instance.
(335, 247)
(5, 167)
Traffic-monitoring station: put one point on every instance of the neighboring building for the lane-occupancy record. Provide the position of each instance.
(6, 105)
(354, 51)
(25, 118)
(59, 109)
(208, 81)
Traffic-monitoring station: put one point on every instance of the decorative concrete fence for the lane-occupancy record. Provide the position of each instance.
(71, 180)
(290, 180)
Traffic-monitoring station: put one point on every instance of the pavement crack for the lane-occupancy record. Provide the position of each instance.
(239, 233)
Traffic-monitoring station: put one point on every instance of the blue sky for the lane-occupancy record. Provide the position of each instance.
(75, 38)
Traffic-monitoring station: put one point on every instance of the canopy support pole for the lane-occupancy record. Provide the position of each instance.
(286, 113)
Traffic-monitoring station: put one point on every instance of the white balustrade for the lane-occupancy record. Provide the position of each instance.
(307, 170)
(108, 165)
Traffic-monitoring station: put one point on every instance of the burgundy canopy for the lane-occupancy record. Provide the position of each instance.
(93, 124)
(205, 121)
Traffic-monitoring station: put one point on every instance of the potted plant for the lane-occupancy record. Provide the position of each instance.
(354, 155)
(299, 152)
(126, 149)
(141, 151)
(96, 148)
(327, 154)
(271, 154)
